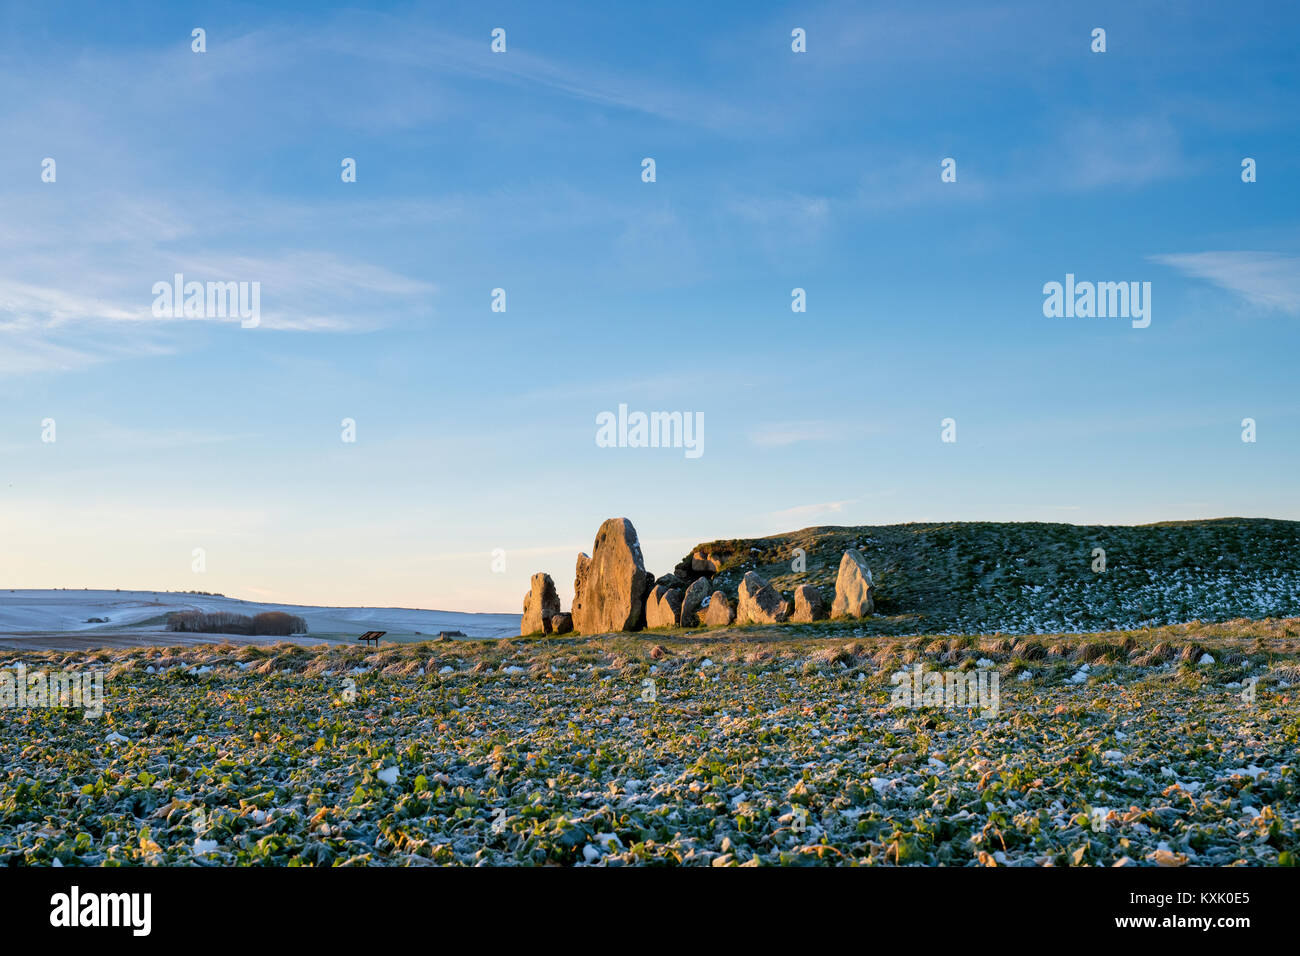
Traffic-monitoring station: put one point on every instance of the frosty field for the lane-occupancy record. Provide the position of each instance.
(1167, 746)
(36, 619)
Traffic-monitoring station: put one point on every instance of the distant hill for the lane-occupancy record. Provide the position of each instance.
(107, 613)
(983, 577)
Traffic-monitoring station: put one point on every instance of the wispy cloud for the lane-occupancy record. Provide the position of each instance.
(409, 42)
(22, 302)
(764, 210)
(1103, 152)
(1266, 279)
(781, 220)
(890, 185)
(29, 346)
(303, 291)
(781, 434)
(124, 436)
(803, 512)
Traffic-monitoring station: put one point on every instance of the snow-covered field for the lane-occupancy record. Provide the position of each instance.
(69, 613)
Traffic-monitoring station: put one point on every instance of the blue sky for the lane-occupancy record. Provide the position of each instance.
(522, 171)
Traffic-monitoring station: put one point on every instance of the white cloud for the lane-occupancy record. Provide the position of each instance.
(1266, 279)
(48, 328)
(29, 346)
(22, 302)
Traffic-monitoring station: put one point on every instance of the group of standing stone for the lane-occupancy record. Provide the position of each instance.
(612, 591)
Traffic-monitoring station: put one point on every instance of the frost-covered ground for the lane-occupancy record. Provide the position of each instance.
(1170, 747)
(1133, 597)
(69, 612)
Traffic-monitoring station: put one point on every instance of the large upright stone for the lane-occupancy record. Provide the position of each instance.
(650, 580)
(808, 604)
(580, 577)
(697, 595)
(854, 592)
(541, 603)
(760, 603)
(664, 607)
(611, 586)
(718, 612)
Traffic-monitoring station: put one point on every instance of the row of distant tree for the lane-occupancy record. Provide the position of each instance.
(272, 623)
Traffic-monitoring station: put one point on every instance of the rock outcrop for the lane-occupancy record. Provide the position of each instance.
(541, 603)
(808, 604)
(611, 586)
(685, 573)
(718, 613)
(664, 607)
(854, 592)
(759, 602)
(702, 563)
(697, 595)
(562, 623)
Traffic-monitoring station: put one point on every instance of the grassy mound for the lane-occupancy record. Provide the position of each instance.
(980, 577)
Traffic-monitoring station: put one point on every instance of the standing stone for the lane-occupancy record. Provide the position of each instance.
(541, 603)
(580, 578)
(697, 595)
(562, 623)
(808, 604)
(664, 607)
(611, 586)
(646, 596)
(718, 613)
(854, 592)
(759, 602)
